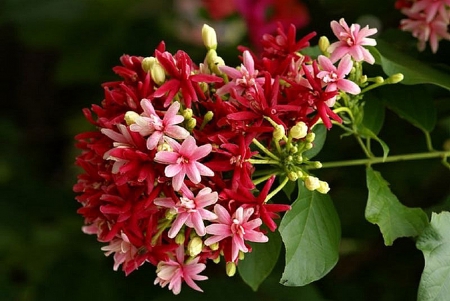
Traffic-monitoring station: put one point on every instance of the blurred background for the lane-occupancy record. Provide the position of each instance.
(54, 54)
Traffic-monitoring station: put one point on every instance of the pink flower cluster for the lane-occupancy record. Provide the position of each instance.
(427, 20)
(168, 173)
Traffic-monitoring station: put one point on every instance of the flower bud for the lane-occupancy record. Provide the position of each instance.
(187, 113)
(241, 255)
(317, 164)
(279, 132)
(292, 175)
(214, 246)
(180, 238)
(158, 73)
(298, 131)
(230, 269)
(310, 137)
(195, 246)
(191, 123)
(209, 37)
(323, 187)
(324, 43)
(218, 61)
(312, 183)
(395, 78)
(308, 145)
(130, 117)
(147, 63)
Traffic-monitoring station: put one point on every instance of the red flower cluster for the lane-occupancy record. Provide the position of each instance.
(170, 171)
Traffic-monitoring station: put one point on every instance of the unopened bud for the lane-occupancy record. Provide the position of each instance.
(241, 255)
(216, 260)
(312, 183)
(191, 123)
(230, 269)
(308, 145)
(310, 137)
(195, 246)
(214, 246)
(209, 37)
(180, 238)
(130, 117)
(323, 187)
(292, 175)
(317, 164)
(218, 62)
(158, 73)
(187, 113)
(298, 131)
(279, 132)
(324, 43)
(378, 79)
(393, 79)
(147, 63)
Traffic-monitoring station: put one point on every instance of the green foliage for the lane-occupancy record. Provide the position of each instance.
(413, 103)
(434, 242)
(374, 113)
(311, 233)
(414, 71)
(384, 209)
(258, 264)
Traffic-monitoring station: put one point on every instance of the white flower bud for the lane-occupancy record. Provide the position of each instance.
(130, 117)
(298, 131)
(323, 187)
(312, 183)
(209, 37)
(279, 132)
(195, 246)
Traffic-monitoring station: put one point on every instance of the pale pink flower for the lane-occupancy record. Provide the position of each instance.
(351, 41)
(123, 250)
(334, 77)
(151, 124)
(243, 78)
(182, 161)
(238, 227)
(174, 270)
(430, 9)
(424, 31)
(190, 210)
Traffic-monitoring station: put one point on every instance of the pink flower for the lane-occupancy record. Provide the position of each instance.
(174, 270)
(238, 227)
(425, 31)
(334, 77)
(190, 210)
(430, 8)
(151, 124)
(182, 161)
(351, 40)
(124, 251)
(243, 78)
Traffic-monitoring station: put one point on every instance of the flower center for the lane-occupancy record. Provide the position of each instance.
(187, 204)
(330, 77)
(236, 228)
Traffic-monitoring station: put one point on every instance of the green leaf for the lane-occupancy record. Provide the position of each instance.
(258, 264)
(373, 113)
(415, 72)
(384, 209)
(413, 104)
(311, 233)
(288, 188)
(321, 134)
(434, 242)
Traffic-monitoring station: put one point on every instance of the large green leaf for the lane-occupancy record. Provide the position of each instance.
(311, 233)
(321, 134)
(413, 104)
(258, 264)
(434, 242)
(384, 209)
(414, 71)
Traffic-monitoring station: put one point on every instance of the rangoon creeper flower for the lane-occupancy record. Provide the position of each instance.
(351, 41)
(123, 250)
(334, 77)
(151, 124)
(174, 270)
(190, 209)
(182, 161)
(238, 227)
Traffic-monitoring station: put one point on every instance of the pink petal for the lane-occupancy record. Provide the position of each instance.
(348, 86)
(176, 132)
(166, 157)
(177, 181)
(193, 173)
(204, 170)
(326, 64)
(177, 224)
(200, 152)
(345, 66)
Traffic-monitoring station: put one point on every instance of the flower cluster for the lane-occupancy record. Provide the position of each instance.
(427, 20)
(180, 167)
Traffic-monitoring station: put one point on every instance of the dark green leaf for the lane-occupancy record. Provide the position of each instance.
(413, 104)
(321, 134)
(311, 233)
(289, 188)
(434, 242)
(414, 71)
(384, 209)
(258, 264)
(373, 113)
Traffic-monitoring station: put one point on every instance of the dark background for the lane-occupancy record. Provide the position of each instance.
(54, 54)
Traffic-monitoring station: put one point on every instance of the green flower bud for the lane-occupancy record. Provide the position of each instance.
(324, 43)
(147, 63)
(158, 73)
(310, 137)
(187, 113)
(217, 259)
(292, 175)
(393, 79)
(209, 37)
(230, 269)
(214, 246)
(216, 64)
(195, 246)
(180, 238)
(130, 117)
(190, 124)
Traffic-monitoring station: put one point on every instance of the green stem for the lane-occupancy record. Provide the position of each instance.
(262, 179)
(265, 150)
(263, 161)
(276, 190)
(375, 160)
(363, 146)
(428, 140)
